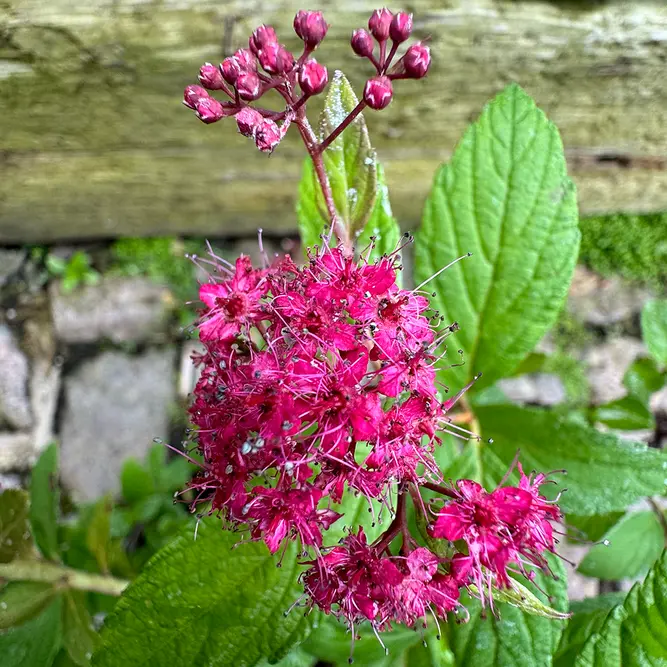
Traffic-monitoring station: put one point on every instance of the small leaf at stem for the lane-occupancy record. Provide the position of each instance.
(22, 600)
(654, 329)
(15, 537)
(44, 502)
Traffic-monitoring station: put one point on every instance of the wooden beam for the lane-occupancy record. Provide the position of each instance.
(94, 142)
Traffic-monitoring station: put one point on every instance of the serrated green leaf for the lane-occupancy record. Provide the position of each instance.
(15, 537)
(79, 637)
(633, 634)
(604, 473)
(588, 617)
(511, 637)
(654, 329)
(207, 601)
(44, 502)
(643, 378)
(98, 532)
(629, 413)
(634, 544)
(35, 643)
(136, 482)
(22, 600)
(505, 197)
(351, 167)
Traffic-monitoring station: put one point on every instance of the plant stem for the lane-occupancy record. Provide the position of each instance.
(438, 488)
(62, 576)
(310, 140)
(337, 132)
(661, 516)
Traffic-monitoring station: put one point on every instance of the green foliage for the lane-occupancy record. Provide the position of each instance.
(506, 198)
(15, 538)
(643, 378)
(185, 595)
(629, 413)
(22, 600)
(633, 246)
(634, 633)
(44, 502)
(162, 259)
(624, 471)
(629, 550)
(511, 637)
(73, 272)
(357, 179)
(654, 329)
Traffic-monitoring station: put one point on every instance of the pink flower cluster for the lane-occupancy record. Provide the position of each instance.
(267, 65)
(319, 381)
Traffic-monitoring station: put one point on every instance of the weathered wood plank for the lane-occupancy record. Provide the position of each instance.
(94, 143)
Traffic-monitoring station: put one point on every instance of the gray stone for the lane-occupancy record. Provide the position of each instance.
(658, 402)
(14, 372)
(535, 388)
(115, 405)
(604, 301)
(17, 451)
(606, 364)
(188, 373)
(117, 309)
(10, 262)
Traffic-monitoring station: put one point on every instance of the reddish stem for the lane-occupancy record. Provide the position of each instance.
(337, 132)
(390, 57)
(398, 525)
(438, 488)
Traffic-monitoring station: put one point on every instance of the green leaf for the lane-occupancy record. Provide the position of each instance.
(592, 528)
(505, 197)
(35, 643)
(79, 637)
(350, 165)
(634, 544)
(523, 598)
(604, 473)
(511, 637)
(136, 482)
(628, 413)
(589, 616)
(654, 329)
(44, 502)
(15, 537)
(382, 225)
(643, 378)
(22, 600)
(633, 634)
(206, 601)
(98, 532)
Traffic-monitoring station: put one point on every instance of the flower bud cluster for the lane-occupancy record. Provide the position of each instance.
(249, 73)
(319, 382)
(383, 26)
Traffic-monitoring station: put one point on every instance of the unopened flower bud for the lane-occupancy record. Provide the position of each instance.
(246, 60)
(209, 110)
(276, 59)
(310, 27)
(210, 77)
(378, 92)
(401, 27)
(248, 86)
(230, 70)
(362, 43)
(260, 37)
(379, 24)
(192, 94)
(267, 136)
(248, 120)
(416, 61)
(313, 77)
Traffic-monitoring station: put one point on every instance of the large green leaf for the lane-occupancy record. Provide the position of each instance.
(654, 329)
(604, 473)
(44, 500)
(511, 637)
(588, 617)
(35, 643)
(15, 537)
(629, 550)
(633, 634)
(207, 601)
(506, 198)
